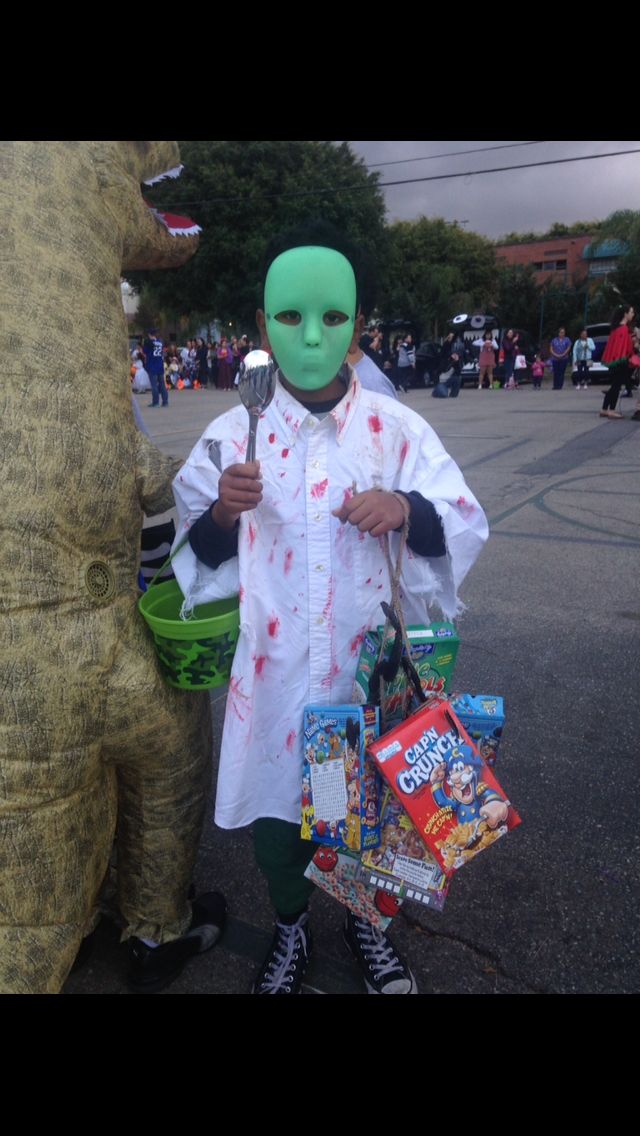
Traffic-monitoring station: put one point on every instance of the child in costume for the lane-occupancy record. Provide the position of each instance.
(616, 356)
(297, 534)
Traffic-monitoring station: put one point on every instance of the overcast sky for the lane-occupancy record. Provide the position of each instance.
(516, 200)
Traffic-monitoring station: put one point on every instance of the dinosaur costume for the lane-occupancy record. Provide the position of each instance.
(89, 732)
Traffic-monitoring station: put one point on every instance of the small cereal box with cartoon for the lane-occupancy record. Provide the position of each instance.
(482, 716)
(340, 785)
(338, 873)
(451, 795)
(402, 864)
(433, 654)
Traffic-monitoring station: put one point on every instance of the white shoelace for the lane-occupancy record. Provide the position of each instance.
(377, 948)
(283, 957)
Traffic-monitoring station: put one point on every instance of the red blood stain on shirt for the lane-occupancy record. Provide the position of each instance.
(466, 508)
(273, 626)
(356, 643)
(252, 535)
(285, 453)
(333, 673)
(284, 473)
(291, 740)
(241, 593)
(288, 561)
(329, 604)
(404, 450)
(260, 661)
(273, 550)
(368, 581)
(319, 489)
(272, 438)
(235, 695)
(375, 424)
(288, 416)
(240, 447)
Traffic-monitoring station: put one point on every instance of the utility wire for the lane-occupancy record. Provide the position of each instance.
(169, 206)
(453, 154)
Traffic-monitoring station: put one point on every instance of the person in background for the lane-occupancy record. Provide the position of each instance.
(510, 348)
(616, 356)
(583, 350)
(486, 359)
(537, 372)
(154, 352)
(560, 352)
(406, 364)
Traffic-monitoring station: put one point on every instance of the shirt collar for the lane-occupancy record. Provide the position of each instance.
(294, 414)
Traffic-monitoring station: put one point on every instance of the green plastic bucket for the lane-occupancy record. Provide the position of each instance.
(197, 653)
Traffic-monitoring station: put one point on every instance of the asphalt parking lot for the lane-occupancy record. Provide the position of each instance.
(553, 612)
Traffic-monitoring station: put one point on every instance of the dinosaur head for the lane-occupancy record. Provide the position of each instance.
(153, 238)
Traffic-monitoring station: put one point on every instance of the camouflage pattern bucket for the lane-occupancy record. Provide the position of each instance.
(197, 653)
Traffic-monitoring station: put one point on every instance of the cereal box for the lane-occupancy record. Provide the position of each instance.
(482, 716)
(340, 785)
(338, 873)
(433, 654)
(402, 865)
(451, 795)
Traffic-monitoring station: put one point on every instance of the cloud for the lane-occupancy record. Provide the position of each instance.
(516, 200)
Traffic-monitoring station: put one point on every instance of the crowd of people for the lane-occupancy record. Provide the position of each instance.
(159, 368)
(501, 364)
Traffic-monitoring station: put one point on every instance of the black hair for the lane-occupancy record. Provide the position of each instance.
(617, 314)
(317, 231)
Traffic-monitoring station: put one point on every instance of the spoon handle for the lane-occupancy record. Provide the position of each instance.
(251, 444)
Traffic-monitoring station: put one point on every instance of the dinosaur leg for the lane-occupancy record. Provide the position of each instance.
(159, 740)
(57, 799)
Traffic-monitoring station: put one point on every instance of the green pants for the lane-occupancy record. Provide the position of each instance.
(282, 857)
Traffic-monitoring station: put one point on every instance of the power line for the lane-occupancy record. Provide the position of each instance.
(452, 154)
(169, 206)
(504, 169)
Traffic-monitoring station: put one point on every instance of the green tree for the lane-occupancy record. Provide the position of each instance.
(433, 270)
(517, 298)
(554, 232)
(242, 194)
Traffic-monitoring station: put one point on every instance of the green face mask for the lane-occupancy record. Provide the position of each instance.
(310, 305)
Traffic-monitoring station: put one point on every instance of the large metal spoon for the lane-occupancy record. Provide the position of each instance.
(256, 384)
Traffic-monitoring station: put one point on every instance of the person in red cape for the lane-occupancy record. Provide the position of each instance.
(616, 357)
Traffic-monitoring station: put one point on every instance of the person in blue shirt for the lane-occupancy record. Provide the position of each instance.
(154, 349)
(560, 352)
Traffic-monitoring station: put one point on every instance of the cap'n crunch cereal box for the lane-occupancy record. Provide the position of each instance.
(437, 774)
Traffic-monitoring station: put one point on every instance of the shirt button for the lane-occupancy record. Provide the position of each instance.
(320, 619)
(318, 517)
(319, 567)
(316, 464)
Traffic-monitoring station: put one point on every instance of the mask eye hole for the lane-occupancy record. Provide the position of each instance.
(290, 317)
(334, 318)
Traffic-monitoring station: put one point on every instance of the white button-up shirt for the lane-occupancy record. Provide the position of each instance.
(309, 586)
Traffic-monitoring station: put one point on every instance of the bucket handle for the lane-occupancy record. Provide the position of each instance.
(168, 561)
